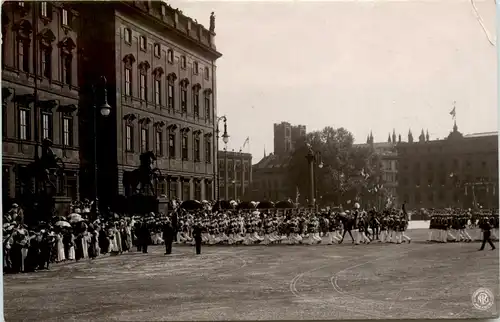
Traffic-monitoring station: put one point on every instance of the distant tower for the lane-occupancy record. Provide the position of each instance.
(368, 139)
(393, 135)
(264, 151)
(371, 137)
(427, 136)
(421, 138)
(389, 139)
(410, 136)
(399, 139)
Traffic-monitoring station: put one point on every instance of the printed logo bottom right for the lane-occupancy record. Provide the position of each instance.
(483, 299)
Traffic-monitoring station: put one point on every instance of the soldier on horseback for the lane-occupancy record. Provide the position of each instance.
(144, 175)
(48, 164)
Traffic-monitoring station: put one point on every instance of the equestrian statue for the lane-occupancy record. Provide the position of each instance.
(45, 168)
(140, 180)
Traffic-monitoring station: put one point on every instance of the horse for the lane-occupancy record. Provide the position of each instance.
(348, 223)
(42, 169)
(144, 175)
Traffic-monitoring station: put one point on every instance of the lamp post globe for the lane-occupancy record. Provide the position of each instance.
(320, 165)
(225, 138)
(105, 109)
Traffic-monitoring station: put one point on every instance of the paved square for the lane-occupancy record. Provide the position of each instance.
(382, 281)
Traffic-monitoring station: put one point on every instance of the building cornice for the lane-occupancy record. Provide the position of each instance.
(130, 7)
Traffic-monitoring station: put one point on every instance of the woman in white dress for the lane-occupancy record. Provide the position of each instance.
(71, 252)
(60, 248)
(85, 244)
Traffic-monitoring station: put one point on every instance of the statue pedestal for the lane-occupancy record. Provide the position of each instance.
(61, 205)
(163, 205)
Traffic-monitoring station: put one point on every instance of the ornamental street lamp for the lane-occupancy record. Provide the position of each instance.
(225, 139)
(100, 103)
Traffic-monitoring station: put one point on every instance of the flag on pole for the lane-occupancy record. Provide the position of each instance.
(453, 112)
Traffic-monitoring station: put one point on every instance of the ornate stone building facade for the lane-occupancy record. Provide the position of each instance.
(235, 175)
(459, 171)
(160, 65)
(40, 93)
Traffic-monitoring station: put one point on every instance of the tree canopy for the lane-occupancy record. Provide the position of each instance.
(349, 172)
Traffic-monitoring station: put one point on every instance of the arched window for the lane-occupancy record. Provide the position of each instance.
(128, 61)
(157, 73)
(143, 80)
(67, 45)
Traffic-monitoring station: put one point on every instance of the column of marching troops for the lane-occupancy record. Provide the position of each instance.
(40, 245)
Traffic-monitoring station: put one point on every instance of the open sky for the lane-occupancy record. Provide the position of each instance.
(362, 65)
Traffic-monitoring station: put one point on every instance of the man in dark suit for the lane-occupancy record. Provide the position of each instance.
(197, 238)
(145, 237)
(486, 227)
(168, 237)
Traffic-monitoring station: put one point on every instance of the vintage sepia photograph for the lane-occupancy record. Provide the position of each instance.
(194, 160)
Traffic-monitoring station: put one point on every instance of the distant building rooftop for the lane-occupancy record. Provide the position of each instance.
(273, 161)
(477, 135)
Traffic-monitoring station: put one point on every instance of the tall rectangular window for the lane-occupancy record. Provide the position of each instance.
(46, 126)
(171, 145)
(128, 81)
(159, 143)
(172, 189)
(144, 140)
(128, 35)
(142, 42)
(43, 9)
(157, 92)
(208, 151)
(65, 17)
(142, 85)
(207, 108)
(23, 56)
(197, 149)
(157, 50)
(66, 69)
(197, 190)
(170, 96)
(183, 100)
(186, 191)
(196, 103)
(128, 138)
(46, 59)
(24, 124)
(163, 10)
(208, 190)
(184, 147)
(67, 132)
(170, 56)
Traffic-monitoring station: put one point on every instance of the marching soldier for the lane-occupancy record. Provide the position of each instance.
(168, 237)
(486, 227)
